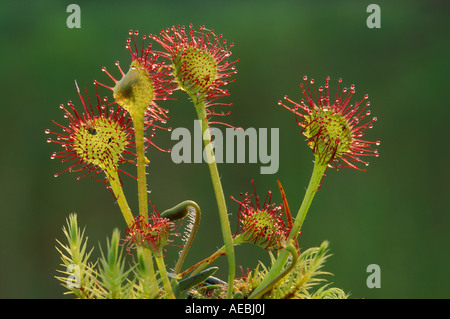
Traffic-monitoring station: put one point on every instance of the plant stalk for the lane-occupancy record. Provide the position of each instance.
(188, 244)
(163, 273)
(116, 187)
(314, 183)
(138, 122)
(217, 185)
(277, 268)
(291, 250)
(205, 262)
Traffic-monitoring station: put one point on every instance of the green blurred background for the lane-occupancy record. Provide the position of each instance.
(396, 214)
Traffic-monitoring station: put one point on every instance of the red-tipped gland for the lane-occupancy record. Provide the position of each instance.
(95, 140)
(334, 127)
(146, 81)
(199, 62)
(195, 70)
(153, 233)
(261, 225)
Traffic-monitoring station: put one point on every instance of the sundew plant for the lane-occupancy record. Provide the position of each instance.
(109, 132)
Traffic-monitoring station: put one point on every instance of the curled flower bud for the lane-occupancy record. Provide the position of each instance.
(96, 141)
(137, 90)
(146, 81)
(334, 128)
(152, 233)
(261, 225)
(134, 91)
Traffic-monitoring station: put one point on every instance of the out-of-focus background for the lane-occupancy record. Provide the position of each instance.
(395, 215)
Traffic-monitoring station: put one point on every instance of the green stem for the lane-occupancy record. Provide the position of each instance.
(217, 185)
(116, 187)
(148, 259)
(192, 234)
(164, 277)
(138, 122)
(293, 251)
(178, 212)
(198, 267)
(207, 261)
(314, 183)
(316, 177)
